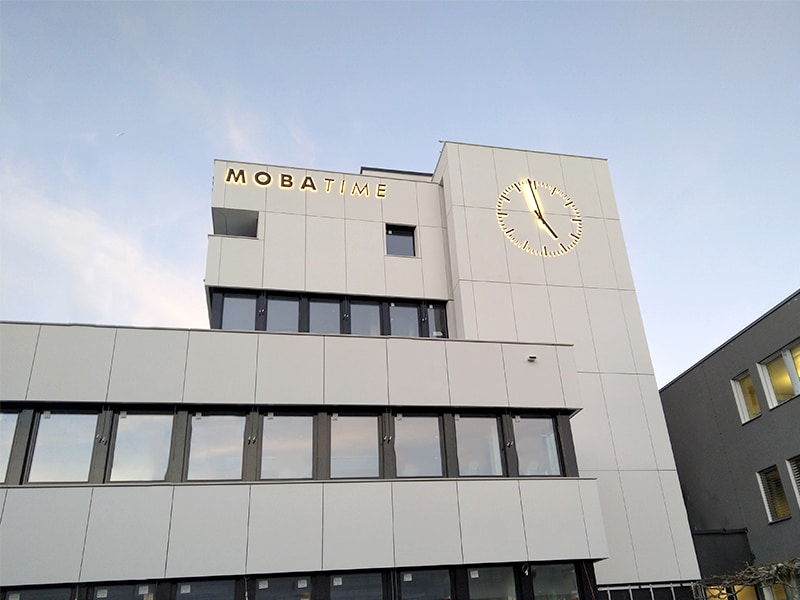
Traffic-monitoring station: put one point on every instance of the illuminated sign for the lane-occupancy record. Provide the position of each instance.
(287, 181)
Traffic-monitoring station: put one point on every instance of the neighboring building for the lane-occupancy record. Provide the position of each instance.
(734, 422)
(428, 386)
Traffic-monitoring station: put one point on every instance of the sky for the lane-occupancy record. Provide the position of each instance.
(111, 114)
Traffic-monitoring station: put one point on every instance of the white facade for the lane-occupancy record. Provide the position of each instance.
(311, 232)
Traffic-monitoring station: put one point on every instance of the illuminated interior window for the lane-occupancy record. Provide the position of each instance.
(745, 392)
(774, 494)
(780, 376)
(794, 470)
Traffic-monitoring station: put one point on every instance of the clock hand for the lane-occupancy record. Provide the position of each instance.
(538, 209)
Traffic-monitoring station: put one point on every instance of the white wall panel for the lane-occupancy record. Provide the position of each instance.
(72, 363)
(571, 321)
(463, 324)
(564, 270)
(289, 369)
(221, 367)
(287, 199)
(492, 528)
(495, 311)
(553, 516)
(212, 260)
(17, 347)
(241, 262)
(365, 243)
(532, 315)
(477, 175)
(400, 204)
(487, 246)
(43, 533)
(475, 372)
(621, 564)
(426, 533)
(580, 184)
(650, 531)
(679, 525)
(458, 247)
(609, 331)
(325, 255)
(604, 189)
(510, 166)
(249, 196)
(322, 203)
(208, 533)
(591, 430)
(417, 372)
(594, 256)
(358, 526)
(355, 370)
(404, 276)
(593, 518)
(362, 207)
(148, 366)
(534, 383)
(636, 334)
(524, 267)
(569, 376)
(656, 423)
(546, 167)
(429, 204)
(632, 444)
(435, 276)
(284, 251)
(218, 184)
(619, 255)
(285, 528)
(127, 533)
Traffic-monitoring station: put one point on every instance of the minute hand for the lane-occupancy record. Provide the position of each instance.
(537, 210)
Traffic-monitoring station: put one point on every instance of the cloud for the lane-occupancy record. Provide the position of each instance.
(61, 262)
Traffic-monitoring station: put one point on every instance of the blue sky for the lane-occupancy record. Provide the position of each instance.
(111, 114)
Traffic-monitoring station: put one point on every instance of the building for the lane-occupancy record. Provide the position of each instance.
(734, 421)
(416, 385)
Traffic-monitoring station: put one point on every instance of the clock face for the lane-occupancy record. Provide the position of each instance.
(538, 218)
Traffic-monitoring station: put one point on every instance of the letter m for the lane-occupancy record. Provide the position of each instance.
(237, 177)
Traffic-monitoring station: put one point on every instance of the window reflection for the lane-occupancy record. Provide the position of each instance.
(490, 583)
(425, 585)
(365, 318)
(287, 447)
(8, 425)
(417, 446)
(215, 450)
(141, 447)
(283, 314)
(135, 591)
(63, 450)
(239, 312)
(404, 319)
(357, 586)
(555, 582)
(478, 446)
(323, 316)
(284, 588)
(354, 446)
(205, 590)
(537, 451)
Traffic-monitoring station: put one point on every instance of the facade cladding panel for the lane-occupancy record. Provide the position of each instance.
(423, 387)
(742, 503)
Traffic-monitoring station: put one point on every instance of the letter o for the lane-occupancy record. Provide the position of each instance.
(262, 178)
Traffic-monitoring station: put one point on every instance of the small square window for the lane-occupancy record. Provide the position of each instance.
(745, 393)
(400, 240)
(773, 493)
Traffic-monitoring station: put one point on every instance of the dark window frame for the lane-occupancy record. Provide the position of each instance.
(401, 232)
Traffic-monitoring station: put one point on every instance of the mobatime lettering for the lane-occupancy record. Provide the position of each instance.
(287, 181)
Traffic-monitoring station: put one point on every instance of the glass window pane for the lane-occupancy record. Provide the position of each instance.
(399, 240)
(64, 444)
(555, 582)
(417, 447)
(354, 446)
(63, 593)
(781, 382)
(437, 321)
(425, 585)
(239, 312)
(283, 314)
(357, 586)
(215, 451)
(134, 591)
(205, 590)
(774, 494)
(296, 587)
(323, 316)
(8, 425)
(748, 391)
(795, 352)
(478, 446)
(404, 319)
(537, 450)
(492, 583)
(287, 448)
(365, 318)
(141, 447)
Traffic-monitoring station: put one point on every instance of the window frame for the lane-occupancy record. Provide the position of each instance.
(768, 494)
(401, 232)
(789, 364)
(739, 396)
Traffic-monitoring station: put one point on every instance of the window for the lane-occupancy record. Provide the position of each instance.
(403, 319)
(555, 582)
(125, 592)
(488, 583)
(283, 314)
(436, 318)
(8, 425)
(284, 588)
(354, 446)
(324, 317)
(363, 586)
(215, 450)
(60, 593)
(287, 447)
(417, 446)
(205, 590)
(537, 449)
(478, 445)
(141, 447)
(63, 448)
(794, 470)
(400, 240)
(365, 318)
(745, 393)
(780, 376)
(773, 494)
(239, 311)
(425, 585)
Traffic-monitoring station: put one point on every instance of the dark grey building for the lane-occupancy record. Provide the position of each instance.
(734, 423)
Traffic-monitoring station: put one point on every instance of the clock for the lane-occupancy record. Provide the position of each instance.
(538, 218)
